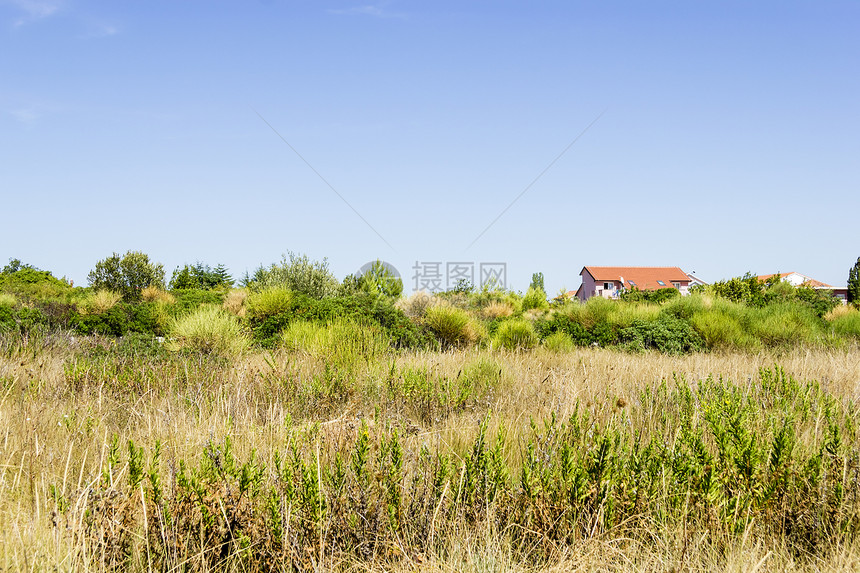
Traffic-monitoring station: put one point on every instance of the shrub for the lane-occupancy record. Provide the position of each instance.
(515, 334)
(497, 309)
(100, 301)
(847, 323)
(720, 330)
(298, 274)
(535, 298)
(29, 283)
(8, 300)
(415, 305)
(234, 302)
(128, 274)
(785, 323)
(268, 303)
(154, 294)
(666, 334)
(208, 330)
(449, 325)
(558, 342)
(118, 320)
(340, 341)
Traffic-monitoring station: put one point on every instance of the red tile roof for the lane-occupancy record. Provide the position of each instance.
(808, 282)
(643, 278)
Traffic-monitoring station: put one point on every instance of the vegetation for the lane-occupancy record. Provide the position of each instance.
(854, 283)
(128, 274)
(200, 276)
(308, 425)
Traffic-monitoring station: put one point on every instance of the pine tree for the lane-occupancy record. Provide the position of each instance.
(854, 283)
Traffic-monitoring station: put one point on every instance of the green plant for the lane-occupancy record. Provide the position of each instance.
(380, 280)
(200, 276)
(854, 283)
(515, 334)
(340, 341)
(268, 302)
(558, 342)
(208, 330)
(100, 301)
(535, 298)
(298, 274)
(128, 274)
(666, 334)
(847, 324)
(449, 325)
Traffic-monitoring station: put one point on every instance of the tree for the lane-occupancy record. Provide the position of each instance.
(537, 282)
(854, 283)
(298, 274)
(200, 276)
(128, 274)
(381, 280)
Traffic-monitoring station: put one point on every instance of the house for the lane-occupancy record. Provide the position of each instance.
(609, 282)
(797, 279)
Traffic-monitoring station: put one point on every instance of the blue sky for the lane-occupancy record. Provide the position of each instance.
(726, 140)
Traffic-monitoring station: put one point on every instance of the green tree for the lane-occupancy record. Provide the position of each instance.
(200, 276)
(128, 274)
(537, 282)
(854, 283)
(299, 274)
(381, 280)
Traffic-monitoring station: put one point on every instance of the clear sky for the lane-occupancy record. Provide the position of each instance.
(726, 140)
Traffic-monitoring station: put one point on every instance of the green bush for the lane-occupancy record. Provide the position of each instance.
(449, 325)
(208, 330)
(341, 342)
(720, 330)
(666, 334)
(118, 320)
(558, 342)
(268, 303)
(515, 334)
(847, 324)
(535, 298)
(783, 324)
(128, 274)
(298, 274)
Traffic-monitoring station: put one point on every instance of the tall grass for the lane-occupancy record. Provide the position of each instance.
(515, 334)
(100, 301)
(208, 330)
(341, 342)
(268, 302)
(846, 323)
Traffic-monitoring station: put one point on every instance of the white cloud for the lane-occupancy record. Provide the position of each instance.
(34, 9)
(26, 116)
(375, 10)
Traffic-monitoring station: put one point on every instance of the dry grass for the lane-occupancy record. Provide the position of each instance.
(234, 302)
(497, 309)
(101, 301)
(155, 294)
(59, 410)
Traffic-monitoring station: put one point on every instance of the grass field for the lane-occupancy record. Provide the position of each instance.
(333, 452)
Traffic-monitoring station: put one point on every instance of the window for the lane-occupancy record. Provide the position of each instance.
(661, 283)
(607, 286)
(632, 283)
(676, 285)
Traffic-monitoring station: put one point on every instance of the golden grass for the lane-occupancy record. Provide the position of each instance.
(55, 435)
(234, 302)
(839, 311)
(101, 301)
(155, 294)
(497, 309)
